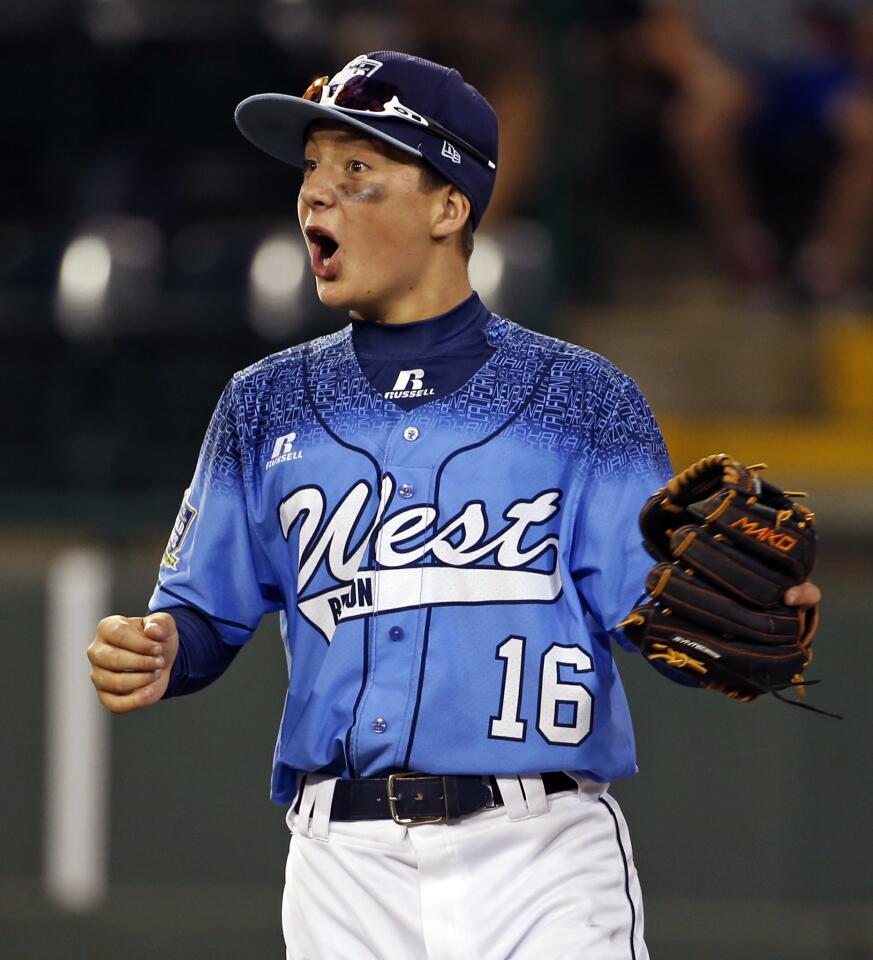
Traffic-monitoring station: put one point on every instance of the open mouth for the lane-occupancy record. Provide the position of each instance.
(323, 248)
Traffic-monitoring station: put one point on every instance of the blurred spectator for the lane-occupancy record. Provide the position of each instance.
(772, 75)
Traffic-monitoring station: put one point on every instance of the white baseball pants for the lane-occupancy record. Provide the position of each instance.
(541, 878)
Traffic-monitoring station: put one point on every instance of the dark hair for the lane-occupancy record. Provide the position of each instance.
(432, 179)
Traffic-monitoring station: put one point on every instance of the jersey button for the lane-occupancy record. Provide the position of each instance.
(396, 633)
(406, 490)
(379, 725)
(411, 433)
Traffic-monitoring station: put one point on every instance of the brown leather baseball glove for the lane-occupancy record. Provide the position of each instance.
(728, 545)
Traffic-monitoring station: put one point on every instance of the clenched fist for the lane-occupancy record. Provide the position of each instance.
(131, 658)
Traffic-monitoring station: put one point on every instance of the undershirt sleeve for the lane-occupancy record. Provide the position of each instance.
(203, 656)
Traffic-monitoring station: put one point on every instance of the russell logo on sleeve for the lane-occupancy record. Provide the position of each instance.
(283, 451)
(410, 383)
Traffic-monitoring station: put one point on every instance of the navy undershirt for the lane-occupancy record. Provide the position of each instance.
(426, 360)
(203, 656)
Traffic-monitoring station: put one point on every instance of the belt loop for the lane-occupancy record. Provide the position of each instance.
(513, 798)
(294, 809)
(307, 802)
(534, 794)
(588, 789)
(324, 791)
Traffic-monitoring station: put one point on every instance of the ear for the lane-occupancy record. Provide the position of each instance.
(452, 213)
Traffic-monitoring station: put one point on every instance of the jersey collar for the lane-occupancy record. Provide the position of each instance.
(456, 330)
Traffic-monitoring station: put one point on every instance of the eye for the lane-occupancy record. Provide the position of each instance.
(309, 165)
(358, 166)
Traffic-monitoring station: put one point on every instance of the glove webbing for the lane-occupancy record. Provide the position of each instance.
(678, 658)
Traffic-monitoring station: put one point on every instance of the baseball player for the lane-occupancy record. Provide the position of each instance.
(442, 507)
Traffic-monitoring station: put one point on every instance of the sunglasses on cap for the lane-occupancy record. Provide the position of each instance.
(365, 95)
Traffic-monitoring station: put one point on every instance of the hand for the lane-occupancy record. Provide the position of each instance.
(804, 595)
(807, 596)
(131, 658)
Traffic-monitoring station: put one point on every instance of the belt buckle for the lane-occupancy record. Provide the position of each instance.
(392, 799)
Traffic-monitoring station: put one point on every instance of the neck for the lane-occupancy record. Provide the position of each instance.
(436, 291)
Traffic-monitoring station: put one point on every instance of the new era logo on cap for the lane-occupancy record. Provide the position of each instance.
(450, 152)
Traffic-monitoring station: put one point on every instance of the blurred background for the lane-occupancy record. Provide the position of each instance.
(686, 187)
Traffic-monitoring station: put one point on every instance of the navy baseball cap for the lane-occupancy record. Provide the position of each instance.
(420, 107)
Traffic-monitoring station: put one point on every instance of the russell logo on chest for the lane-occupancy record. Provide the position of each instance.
(409, 383)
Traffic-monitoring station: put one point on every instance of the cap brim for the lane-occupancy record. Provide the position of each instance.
(276, 123)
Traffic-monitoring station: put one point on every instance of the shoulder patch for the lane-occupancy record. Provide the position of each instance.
(183, 524)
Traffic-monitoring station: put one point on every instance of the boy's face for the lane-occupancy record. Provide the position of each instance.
(366, 219)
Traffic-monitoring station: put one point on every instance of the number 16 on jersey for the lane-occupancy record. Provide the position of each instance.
(564, 711)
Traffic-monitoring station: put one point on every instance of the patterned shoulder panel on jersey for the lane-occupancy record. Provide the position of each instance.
(630, 440)
(257, 405)
(587, 409)
(544, 392)
(271, 395)
(220, 453)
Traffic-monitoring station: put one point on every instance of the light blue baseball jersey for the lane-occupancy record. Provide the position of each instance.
(447, 577)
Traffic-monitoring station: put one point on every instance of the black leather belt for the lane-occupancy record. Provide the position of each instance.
(408, 797)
